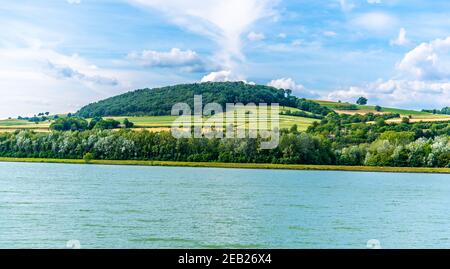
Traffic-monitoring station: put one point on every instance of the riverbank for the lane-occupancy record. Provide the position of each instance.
(238, 165)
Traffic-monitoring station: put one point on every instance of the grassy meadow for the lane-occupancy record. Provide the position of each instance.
(155, 123)
(414, 115)
(162, 123)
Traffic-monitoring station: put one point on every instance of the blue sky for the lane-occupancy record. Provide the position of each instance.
(58, 55)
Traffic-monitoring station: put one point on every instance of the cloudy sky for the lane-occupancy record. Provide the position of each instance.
(57, 55)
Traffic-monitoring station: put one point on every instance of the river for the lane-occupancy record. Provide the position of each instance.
(48, 205)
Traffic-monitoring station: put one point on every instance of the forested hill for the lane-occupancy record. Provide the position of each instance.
(159, 101)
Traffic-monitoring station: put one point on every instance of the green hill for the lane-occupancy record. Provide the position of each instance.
(159, 101)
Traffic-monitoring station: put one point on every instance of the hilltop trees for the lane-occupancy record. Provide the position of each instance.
(445, 110)
(156, 102)
(362, 101)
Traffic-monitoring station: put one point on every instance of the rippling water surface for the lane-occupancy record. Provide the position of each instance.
(46, 205)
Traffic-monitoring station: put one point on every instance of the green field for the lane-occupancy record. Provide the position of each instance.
(166, 121)
(335, 106)
(11, 125)
(415, 115)
(147, 122)
(158, 123)
(238, 165)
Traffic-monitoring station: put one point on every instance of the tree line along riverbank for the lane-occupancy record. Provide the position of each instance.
(235, 165)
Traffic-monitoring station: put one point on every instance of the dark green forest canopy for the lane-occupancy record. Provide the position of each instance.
(159, 101)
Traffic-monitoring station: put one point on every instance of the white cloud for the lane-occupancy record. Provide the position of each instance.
(423, 80)
(346, 5)
(187, 60)
(398, 93)
(282, 35)
(374, 21)
(223, 21)
(401, 40)
(36, 79)
(67, 72)
(428, 61)
(219, 76)
(253, 36)
(329, 33)
(374, 1)
(74, 2)
(289, 83)
(225, 76)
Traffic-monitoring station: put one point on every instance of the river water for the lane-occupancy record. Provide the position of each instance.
(47, 205)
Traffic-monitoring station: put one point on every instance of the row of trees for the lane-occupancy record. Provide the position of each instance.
(391, 148)
(80, 124)
(445, 110)
(130, 145)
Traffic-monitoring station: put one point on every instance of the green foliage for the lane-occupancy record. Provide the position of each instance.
(398, 137)
(93, 122)
(294, 129)
(356, 141)
(378, 108)
(313, 107)
(346, 106)
(127, 123)
(88, 157)
(362, 101)
(445, 111)
(130, 145)
(301, 113)
(107, 124)
(69, 124)
(155, 102)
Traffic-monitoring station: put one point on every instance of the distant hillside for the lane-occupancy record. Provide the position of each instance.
(159, 101)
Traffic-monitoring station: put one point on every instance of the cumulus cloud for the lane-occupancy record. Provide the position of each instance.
(428, 61)
(289, 83)
(423, 80)
(222, 76)
(398, 92)
(35, 77)
(67, 72)
(401, 39)
(374, 21)
(253, 36)
(188, 60)
(223, 21)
